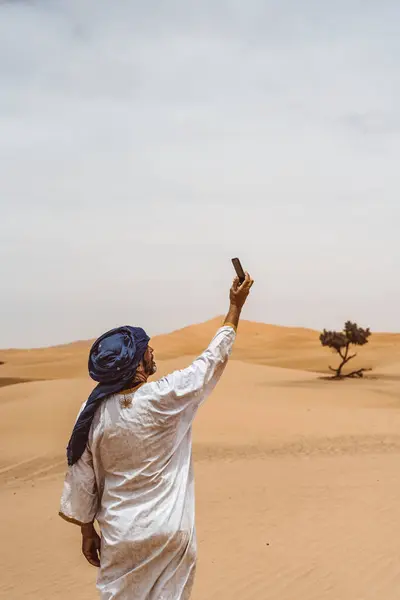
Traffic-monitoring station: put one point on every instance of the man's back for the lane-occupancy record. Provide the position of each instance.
(141, 460)
(142, 465)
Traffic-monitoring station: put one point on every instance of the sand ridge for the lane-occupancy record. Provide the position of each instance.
(260, 343)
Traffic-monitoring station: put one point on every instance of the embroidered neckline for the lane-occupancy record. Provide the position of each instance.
(126, 400)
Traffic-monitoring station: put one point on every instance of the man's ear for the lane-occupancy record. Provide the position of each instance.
(140, 368)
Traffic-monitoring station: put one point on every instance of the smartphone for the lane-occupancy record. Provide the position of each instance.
(239, 270)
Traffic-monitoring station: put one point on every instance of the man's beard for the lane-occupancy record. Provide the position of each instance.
(150, 367)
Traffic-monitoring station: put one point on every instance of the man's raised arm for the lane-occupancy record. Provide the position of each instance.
(189, 387)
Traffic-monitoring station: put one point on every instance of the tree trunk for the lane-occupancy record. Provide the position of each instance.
(345, 359)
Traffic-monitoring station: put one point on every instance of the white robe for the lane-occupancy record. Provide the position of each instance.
(136, 479)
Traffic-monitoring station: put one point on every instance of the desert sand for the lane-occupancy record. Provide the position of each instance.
(296, 477)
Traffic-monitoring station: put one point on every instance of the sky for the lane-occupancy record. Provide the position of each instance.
(145, 144)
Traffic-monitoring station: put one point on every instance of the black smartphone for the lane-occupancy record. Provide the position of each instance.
(239, 270)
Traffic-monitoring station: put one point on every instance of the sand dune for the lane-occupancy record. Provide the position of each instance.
(292, 348)
(297, 487)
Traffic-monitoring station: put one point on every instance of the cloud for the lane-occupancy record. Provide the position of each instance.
(143, 145)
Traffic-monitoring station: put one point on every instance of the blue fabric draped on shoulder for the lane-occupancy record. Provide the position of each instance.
(113, 360)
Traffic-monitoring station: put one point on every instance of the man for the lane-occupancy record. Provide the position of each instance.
(130, 463)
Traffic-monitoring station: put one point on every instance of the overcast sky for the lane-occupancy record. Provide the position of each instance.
(143, 144)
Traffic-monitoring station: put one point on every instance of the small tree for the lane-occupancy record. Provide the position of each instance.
(340, 342)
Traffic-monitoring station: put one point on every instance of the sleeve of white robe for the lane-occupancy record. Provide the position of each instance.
(188, 388)
(79, 500)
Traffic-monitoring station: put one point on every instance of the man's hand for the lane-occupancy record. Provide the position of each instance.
(91, 544)
(238, 296)
(239, 293)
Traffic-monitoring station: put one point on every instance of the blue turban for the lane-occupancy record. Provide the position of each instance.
(113, 360)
